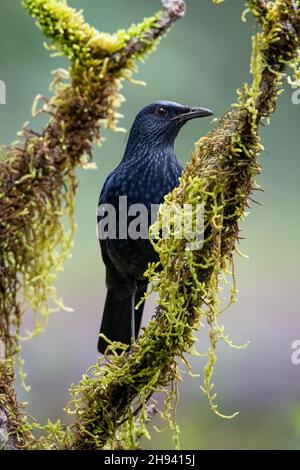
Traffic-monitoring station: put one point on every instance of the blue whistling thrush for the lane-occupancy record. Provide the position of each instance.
(148, 171)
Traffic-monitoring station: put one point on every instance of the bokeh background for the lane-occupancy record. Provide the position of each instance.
(201, 62)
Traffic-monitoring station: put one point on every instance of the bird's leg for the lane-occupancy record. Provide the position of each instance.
(133, 317)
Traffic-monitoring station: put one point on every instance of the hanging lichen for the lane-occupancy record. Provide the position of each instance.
(110, 404)
(37, 180)
(220, 177)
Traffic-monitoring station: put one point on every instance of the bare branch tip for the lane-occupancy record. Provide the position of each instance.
(176, 8)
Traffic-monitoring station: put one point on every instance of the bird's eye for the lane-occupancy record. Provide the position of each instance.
(161, 111)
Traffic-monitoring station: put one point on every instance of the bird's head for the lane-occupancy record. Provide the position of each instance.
(161, 121)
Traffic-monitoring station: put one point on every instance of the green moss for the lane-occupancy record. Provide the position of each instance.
(221, 177)
(37, 179)
(12, 430)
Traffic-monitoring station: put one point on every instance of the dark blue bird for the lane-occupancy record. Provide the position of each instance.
(148, 171)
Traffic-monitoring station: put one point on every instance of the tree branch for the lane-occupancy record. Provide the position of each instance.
(37, 181)
(221, 177)
(11, 434)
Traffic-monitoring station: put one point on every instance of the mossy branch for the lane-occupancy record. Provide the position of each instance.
(37, 181)
(221, 177)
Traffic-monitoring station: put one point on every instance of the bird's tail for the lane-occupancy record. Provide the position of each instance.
(116, 321)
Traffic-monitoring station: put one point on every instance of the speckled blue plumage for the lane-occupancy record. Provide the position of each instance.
(147, 172)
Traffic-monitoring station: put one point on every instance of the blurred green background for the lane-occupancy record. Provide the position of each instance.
(201, 62)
